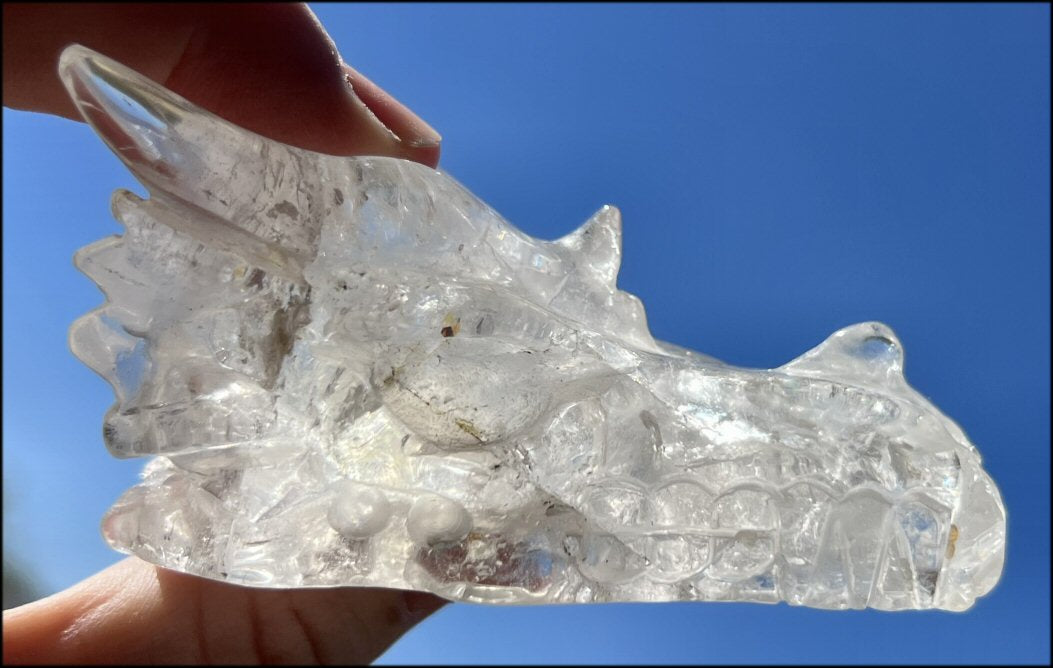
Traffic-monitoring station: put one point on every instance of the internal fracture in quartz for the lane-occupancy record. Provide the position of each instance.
(351, 371)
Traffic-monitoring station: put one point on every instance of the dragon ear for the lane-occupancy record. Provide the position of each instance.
(185, 155)
(866, 354)
(598, 245)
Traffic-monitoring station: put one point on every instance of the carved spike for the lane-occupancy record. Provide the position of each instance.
(96, 261)
(599, 244)
(100, 341)
(208, 164)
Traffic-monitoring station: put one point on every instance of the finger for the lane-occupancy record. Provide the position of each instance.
(134, 612)
(270, 68)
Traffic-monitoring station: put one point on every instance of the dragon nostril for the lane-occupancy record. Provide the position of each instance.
(877, 349)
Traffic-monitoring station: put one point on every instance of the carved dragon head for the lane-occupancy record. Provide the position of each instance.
(351, 371)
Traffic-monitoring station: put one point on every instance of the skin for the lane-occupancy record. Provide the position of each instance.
(274, 70)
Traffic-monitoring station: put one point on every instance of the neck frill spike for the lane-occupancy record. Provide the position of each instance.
(352, 371)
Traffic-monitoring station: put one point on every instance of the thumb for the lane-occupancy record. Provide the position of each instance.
(137, 613)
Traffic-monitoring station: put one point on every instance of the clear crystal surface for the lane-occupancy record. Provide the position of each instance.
(351, 371)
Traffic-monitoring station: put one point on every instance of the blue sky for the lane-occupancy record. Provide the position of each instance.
(783, 171)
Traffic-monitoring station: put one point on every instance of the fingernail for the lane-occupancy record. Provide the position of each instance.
(409, 128)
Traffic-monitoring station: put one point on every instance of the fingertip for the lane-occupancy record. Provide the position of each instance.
(420, 604)
(428, 155)
(417, 140)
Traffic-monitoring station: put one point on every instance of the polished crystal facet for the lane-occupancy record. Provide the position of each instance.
(351, 371)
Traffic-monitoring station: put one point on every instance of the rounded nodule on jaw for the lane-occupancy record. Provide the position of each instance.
(434, 519)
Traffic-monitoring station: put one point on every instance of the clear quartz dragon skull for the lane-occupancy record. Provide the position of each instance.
(351, 371)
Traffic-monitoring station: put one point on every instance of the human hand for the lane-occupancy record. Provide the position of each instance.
(269, 68)
(136, 613)
(274, 70)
